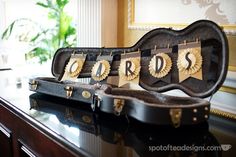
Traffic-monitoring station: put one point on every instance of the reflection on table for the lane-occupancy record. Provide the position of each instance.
(103, 134)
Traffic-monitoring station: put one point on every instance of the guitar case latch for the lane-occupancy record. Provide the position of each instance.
(118, 106)
(176, 115)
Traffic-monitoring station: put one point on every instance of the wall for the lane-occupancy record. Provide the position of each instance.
(89, 23)
(109, 23)
(2, 15)
(232, 51)
(126, 37)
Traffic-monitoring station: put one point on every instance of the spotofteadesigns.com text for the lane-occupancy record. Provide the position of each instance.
(222, 147)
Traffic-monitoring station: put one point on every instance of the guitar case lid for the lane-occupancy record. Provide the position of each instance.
(214, 51)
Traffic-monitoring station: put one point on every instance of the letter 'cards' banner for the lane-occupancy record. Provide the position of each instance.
(74, 67)
(129, 69)
(160, 65)
(101, 69)
(189, 61)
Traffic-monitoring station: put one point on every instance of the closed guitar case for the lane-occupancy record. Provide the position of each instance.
(193, 60)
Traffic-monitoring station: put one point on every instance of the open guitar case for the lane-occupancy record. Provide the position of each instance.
(148, 105)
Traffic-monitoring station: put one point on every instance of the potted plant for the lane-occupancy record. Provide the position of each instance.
(45, 40)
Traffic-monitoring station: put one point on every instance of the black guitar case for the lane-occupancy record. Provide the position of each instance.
(148, 105)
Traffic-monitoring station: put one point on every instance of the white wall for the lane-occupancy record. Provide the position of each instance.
(2, 17)
(89, 23)
(97, 23)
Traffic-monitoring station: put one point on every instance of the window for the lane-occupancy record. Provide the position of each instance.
(33, 20)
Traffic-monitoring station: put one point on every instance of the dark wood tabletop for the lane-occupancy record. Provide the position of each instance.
(42, 125)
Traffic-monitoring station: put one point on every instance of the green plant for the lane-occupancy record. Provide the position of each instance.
(45, 40)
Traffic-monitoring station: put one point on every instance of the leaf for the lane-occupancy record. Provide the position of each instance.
(11, 27)
(65, 22)
(42, 58)
(61, 3)
(41, 53)
(4, 34)
(42, 5)
(7, 33)
(70, 31)
(53, 15)
(65, 2)
(35, 37)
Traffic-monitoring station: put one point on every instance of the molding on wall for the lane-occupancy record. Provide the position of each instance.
(224, 107)
(223, 113)
(228, 89)
(229, 83)
(232, 68)
(229, 29)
